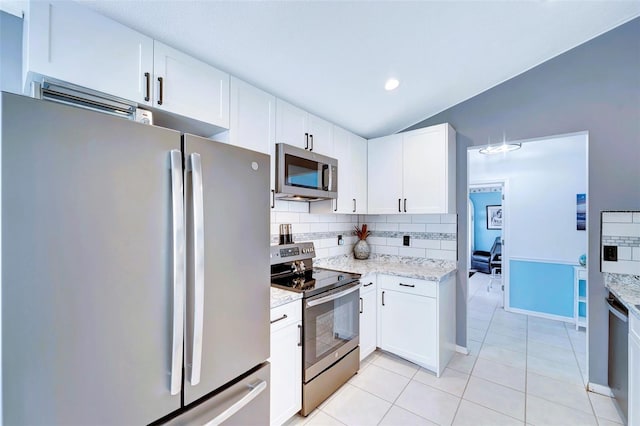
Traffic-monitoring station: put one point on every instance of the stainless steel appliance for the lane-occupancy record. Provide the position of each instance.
(619, 352)
(330, 320)
(305, 175)
(123, 246)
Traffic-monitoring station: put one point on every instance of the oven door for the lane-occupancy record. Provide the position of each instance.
(331, 328)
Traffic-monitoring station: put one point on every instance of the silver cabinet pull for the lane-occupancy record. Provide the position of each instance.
(306, 143)
(383, 298)
(367, 285)
(311, 139)
(195, 165)
(300, 334)
(399, 209)
(407, 285)
(335, 209)
(354, 205)
(361, 307)
(273, 198)
(284, 316)
(405, 205)
(179, 271)
(256, 389)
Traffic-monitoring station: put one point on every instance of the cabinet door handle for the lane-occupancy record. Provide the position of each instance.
(354, 205)
(399, 202)
(367, 285)
(147, 77)
(273, 198)
(300, 334)
(405, 205)
(161, 91)
(407, 285)
(335, 209)
(306, 142)
(383, 298)
(311, 138)
(284, 316)
(361, 307)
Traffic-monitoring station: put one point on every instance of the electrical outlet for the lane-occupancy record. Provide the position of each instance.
(340, 240)
(406, 240)
(610, 253)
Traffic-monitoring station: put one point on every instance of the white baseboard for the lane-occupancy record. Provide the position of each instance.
(462, 350)
(601, 389)
(569, 320)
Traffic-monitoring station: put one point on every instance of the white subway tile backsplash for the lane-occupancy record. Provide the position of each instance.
(427, 244)
(449, 218)
(622, 267)
(636, 217)
(372, 218)
(425, 218)
(341, 227)
(621, 229)
(339, 250)
(321, 252)
(386, 250)
(411, 227)
(411, 251)
(398, 218)
(617, 217)
(624, 253)
(635, 254)
(394, 242)
(287, 217)
(392, 227)
(318, 227)
(377, 241)
(441, 254)
(300, 228)
(446, 228)
(448, 245)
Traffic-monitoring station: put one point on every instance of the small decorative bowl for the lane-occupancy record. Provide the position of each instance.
(583, 260)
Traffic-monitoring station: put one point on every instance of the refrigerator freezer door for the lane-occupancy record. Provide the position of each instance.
(234, 260)
(87, 258)
(245, 403)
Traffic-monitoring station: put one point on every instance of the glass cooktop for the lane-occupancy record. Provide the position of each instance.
(313, 282)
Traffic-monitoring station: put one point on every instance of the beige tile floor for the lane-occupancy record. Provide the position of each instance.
(520, 370)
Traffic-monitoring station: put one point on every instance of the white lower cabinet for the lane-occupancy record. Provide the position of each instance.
(634, 371)
(416, 320)
(368, 326)
(286, 361)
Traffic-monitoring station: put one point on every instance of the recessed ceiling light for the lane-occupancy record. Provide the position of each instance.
(391, 84)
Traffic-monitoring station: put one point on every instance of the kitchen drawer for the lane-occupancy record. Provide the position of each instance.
(368, 283)
(284, 315)
(408, 285)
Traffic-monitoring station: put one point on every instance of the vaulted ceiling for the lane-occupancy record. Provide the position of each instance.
(332, 58)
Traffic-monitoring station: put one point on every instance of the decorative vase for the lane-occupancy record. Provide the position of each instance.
(361, 250)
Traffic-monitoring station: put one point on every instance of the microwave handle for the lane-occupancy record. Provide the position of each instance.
(330, 178)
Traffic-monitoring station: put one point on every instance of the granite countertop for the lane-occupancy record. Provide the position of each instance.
(626, 288)
(281, 297)
(410, 267)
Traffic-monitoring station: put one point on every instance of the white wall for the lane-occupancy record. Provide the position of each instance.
(544, 177)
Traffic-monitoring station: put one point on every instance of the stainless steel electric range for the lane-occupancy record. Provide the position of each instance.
(330, 320)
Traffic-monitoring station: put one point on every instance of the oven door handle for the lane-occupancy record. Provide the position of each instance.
(334, 296)
(616, 310)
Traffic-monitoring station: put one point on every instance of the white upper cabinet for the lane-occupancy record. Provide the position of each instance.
(252, 117)
(295, 126)
(413, 172)
(385, 175)
(188, 87)
(71, 43)
(68, 42)
(351, 152)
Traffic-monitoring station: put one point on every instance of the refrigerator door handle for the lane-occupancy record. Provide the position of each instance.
(256, 389)
(179, 271)
(198, 272)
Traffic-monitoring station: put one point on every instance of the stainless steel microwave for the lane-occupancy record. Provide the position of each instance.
(303, 175)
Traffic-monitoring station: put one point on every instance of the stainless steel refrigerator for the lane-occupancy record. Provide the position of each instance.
(135, 272)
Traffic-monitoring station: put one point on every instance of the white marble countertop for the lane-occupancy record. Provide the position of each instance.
(281, 297)
(410, 267)
(626, 288)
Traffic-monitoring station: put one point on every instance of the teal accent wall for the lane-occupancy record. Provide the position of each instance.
(541, 287)
(483, 238)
